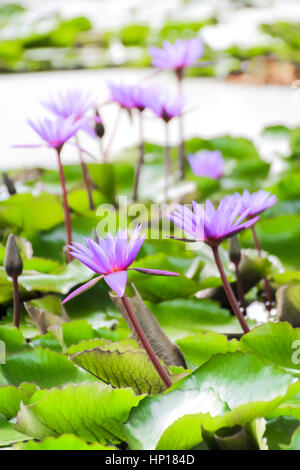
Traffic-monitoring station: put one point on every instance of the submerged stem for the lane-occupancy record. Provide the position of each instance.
(181, 146)
(229, 293)
(65, 202)
(102, 153)
(112, 135)
(167, 161)
(140, 333)
(140, 158)
(16, 314)
(240, 288)
(86, 176)
(266, 282)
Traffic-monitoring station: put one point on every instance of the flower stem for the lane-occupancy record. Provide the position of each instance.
(240, 288)
(16, 316)
(229, 293)
(167, 161)
(102, 153)
(112, 135)
(140, 333)
(181, 147)
(140, 158)
(86, 176)
(65, 202)
(268, 291)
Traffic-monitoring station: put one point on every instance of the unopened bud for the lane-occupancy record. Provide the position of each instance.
(13, 263)
(10, 186)
(234, 250)
(99, 127)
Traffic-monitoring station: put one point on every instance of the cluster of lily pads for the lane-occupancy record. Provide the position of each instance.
(178, 348)
(56, 42)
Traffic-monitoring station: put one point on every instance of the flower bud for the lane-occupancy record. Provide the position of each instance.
(234, 249)
(13, 263)
(9, 184)
(99, 127)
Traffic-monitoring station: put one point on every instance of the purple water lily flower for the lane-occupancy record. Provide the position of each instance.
(256, 202)
(73, 102)
(167, 106)
(122, 94)
(111, 258)
(212, 225)
(207, 163)
(143, 95)
(179, 55)
(55, 133)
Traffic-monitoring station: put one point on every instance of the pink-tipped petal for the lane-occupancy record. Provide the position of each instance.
(81, 289)
(155, 272)
(117, 282)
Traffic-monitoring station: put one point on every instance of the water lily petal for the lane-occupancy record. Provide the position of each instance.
(81, 289)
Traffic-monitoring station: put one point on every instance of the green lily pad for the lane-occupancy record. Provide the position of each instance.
(63, 442)
(43, 367)
(100, 412)
(229, 389)
(121, 366)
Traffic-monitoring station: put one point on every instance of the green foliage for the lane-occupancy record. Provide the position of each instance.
(199, 348)
(121, 366)
(43, 367)
(100, 421)
(64, 442)
(8, 434)
(135, 35)
(229, 389)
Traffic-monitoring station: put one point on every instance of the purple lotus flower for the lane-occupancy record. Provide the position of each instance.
(179, 55)
(73, 102)
(111, 258)
(55, 133)
(121, 93)
(206, 163)
(143, 95)
(167, 106)
(256, 203)
(212, 225)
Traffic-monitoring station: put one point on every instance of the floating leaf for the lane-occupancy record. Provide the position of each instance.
(274, 343)
(157, 288)
(43, 367)
(121, 366)
(201, 347)
(295, 442)
(28, 212)
(229, 389)
(13, 339)
(63, 442)
(280, 430)
(182, 317)
(99, 414)
(61, 282)
(8, 434)
(11, 397)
